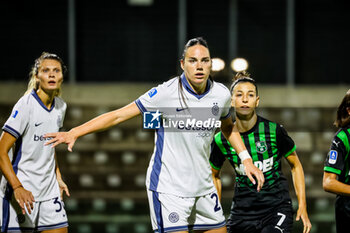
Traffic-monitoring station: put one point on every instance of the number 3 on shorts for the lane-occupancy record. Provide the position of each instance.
(283, 217)
(58, 202)
(217, 206)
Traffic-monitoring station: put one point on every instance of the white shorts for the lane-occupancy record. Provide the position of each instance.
(171, 213)
(46, 215)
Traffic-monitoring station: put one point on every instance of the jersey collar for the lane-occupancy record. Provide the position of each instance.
(41, 103)
(191, 91)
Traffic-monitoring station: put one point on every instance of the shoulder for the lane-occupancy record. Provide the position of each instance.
(170, 84)
(274, 127)
(164, 89)
(221, 90)
(270, 123)
(343, 134)
(221, 87)
(24, 101)
(60, 103)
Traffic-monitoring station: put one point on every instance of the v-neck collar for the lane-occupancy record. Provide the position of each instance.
(41, 102)
(191, 91)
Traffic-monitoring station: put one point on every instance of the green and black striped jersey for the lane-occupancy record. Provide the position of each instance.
(267, 142)
(338, 160)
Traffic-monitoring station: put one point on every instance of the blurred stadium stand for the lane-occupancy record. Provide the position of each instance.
(106, 171)
(121, 50)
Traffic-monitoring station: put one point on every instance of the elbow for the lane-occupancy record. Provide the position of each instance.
(327, 185)
(216, 177)
(215, 174)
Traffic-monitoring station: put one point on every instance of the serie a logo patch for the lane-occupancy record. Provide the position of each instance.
(15, 114)
(152, 92)
(333, 155)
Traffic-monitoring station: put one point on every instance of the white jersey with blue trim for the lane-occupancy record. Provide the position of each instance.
(33, 162)
(180, 161)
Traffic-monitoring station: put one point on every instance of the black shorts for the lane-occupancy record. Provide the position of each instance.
(278, 220)
(342, 214)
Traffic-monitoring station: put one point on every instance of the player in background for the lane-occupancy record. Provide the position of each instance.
(270, 210)
(336, 176)
(180, 189)
(32, 186)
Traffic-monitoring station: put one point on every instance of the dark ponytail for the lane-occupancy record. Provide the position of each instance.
(343, 117)
(243, 76)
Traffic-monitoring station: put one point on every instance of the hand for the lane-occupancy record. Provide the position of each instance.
(251, 171)
(24, 198)
(302, 213)
(61, 137)
(63, 188)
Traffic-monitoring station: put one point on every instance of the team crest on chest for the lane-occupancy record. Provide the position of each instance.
(215, 109)
(173, 217)
(261, 147)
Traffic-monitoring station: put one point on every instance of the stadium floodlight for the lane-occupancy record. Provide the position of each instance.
(217, 64)
(140, 2)
(239, 64)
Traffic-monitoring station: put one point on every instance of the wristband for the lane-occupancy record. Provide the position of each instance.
(243, 155)
(19, 186)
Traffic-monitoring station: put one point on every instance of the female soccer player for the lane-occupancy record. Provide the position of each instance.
(180, 190)
(270, 210)
(336, 176)
(32, 186)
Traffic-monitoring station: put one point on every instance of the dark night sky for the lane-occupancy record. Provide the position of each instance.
(117, 42)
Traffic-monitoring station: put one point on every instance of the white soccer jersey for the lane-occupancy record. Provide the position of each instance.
(34, 163)
(180, 161)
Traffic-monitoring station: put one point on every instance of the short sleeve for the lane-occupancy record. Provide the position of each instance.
(335, 160)
(217, 158)
(285, 143)
(63, 114)
(226, 113)
(61, 107)
(151, 99)
(19, 118)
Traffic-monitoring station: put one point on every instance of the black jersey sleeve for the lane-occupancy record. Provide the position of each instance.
(285, 143)
(217, 158)
(335, 160)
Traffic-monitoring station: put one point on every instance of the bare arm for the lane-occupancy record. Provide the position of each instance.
(217, 181)
(22, 195)
(299, 186)
(231, 133)
(332, 185)
(99, 123)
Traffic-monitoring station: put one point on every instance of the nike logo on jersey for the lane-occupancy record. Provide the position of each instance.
(180, 109)
(37, 124)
